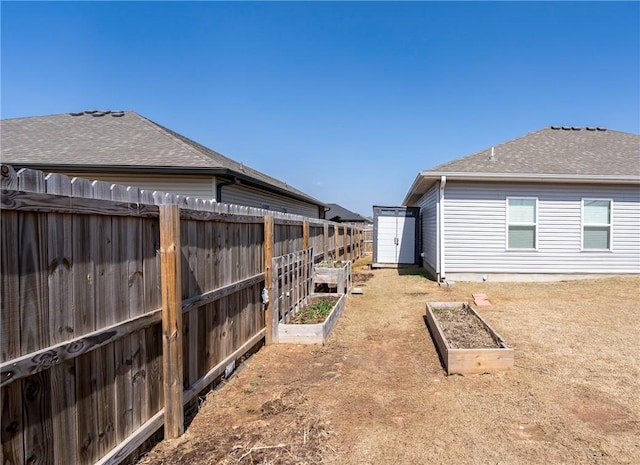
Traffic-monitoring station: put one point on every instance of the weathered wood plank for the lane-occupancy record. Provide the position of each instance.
(44, 359)
(83, 276)
(38, 429)
(11, 419)
(10, 342)
(33, 282)
(170, 249)
(125, 448)
(211, 296)
(191, 214)
(104, 368)
(154, 368)
(217, 370)
(191, 288)
(84, 323)
(49, 203)
(60, 259)
(286, 222)
(270, 318)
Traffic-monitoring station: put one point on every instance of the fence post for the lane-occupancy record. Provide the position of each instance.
(305, 234)
(170, 255)
(345, 243)
(325, 242)
(336, 244)
(268, 273)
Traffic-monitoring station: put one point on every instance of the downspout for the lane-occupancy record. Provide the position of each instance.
(441, 271)
(221, 184)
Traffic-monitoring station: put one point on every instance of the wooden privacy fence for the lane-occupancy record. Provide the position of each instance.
(119, 306)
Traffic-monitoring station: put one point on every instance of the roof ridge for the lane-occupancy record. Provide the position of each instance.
(166, 132)
(488, 148)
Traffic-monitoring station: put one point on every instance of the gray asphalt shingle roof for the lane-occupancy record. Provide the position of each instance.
(559, 151)
(338, 213)
(114, 139)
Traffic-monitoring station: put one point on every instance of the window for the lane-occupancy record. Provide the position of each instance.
(596, 224)
(522, 217)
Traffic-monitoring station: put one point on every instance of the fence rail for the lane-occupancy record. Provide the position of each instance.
(118, 306)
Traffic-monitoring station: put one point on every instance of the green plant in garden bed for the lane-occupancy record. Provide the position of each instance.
(315, 311)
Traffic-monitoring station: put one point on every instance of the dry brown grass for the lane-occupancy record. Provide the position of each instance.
(377, 393)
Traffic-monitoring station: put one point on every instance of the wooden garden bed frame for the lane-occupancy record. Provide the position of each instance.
(312, 333)
(340, 278)
(468, 361)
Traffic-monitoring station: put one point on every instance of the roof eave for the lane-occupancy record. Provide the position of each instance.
(426, 179)
(129, 169)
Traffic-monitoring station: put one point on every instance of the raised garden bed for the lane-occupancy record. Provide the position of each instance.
(467, 344)
(298, 331)
(334, 275)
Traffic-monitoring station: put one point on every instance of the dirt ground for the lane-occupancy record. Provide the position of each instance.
(377, 392)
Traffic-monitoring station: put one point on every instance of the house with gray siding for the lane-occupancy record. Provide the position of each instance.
(555, 203)
(124, 147)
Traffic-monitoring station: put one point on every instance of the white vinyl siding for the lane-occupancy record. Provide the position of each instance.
(429, 226)
(476, 229)
(596, 224)
(244, 195)
(522, 225)
(201, 187)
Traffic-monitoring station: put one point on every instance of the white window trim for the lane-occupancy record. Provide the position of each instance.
(535, 225)
(582, 225)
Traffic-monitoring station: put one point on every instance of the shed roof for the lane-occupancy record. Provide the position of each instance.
(120, 141)
(552, 154)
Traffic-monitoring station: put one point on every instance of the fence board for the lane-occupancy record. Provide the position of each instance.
(34, 321)
(84, 320)
(190, 288)
(63, 394)
(108, 240)
(9, 272)
(12, 431)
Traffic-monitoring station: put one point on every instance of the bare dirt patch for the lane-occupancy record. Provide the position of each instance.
(463, 330)
(377, 392)
(361, 277)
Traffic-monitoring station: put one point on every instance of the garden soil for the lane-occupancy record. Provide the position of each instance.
(377, 393)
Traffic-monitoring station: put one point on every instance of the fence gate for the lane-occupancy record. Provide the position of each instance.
(291, 282)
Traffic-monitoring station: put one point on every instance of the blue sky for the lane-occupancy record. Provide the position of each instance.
(346, 101)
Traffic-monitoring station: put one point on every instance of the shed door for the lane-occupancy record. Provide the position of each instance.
(396, 239)
(387, 239)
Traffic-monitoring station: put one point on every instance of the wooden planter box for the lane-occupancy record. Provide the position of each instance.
(468, 361)
(312, 333)
(340, 278)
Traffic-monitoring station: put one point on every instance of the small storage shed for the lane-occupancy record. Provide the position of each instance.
(395, 235)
